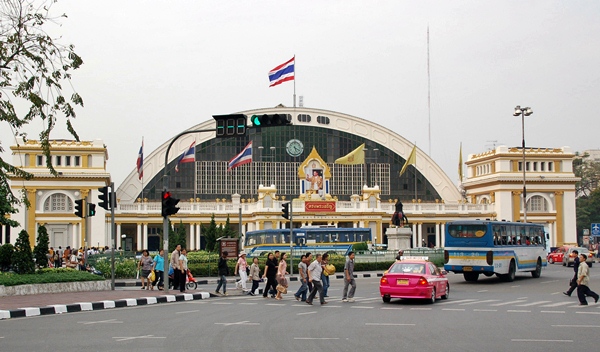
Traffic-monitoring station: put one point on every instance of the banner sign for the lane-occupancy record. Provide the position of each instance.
(323, 206)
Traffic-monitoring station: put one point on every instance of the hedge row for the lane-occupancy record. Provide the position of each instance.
(45, 276)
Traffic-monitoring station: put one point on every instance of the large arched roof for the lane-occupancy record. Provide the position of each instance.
(154, 163)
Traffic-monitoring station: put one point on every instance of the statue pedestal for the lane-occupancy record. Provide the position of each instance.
(398, 237)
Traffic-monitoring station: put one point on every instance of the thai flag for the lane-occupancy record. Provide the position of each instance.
(282, 73)
(189, 156)
(140, 162)
(244, 157)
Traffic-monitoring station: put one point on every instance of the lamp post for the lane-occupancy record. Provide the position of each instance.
(523, 112)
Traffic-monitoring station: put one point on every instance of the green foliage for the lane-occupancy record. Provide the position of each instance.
(47, 275)
(210, 234)
(7, 199)
(33, 70)
(125, 268)
(362, 246)
(6, 253)
(588, 210)
(228, 231)
(40, 251)
(177, 237)
(589, 173)
(22, 258)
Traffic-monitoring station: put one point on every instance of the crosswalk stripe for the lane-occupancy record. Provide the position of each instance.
(506, 303)
(478, 302)
(454, 302)
(557, 304)
(532, 304)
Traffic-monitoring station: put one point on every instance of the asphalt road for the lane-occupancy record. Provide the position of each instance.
(525, 315)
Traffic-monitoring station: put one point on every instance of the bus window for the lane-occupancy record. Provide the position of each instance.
(467, 231)
(503, 235)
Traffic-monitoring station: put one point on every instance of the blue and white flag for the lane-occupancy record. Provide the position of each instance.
(189, 156)
(282, 73)
(244, 157)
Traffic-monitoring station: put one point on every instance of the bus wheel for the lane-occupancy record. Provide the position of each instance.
(488, 274)
(471, 277)
(510, 277)
(538, 269)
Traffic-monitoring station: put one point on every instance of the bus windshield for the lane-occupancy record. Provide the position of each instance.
(467, 231)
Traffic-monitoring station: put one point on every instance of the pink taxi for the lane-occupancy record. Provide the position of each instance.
(414, 279)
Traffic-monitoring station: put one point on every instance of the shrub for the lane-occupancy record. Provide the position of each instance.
(22, 258)
(48, 275)
(40, 252)
(6, 253)
(362, 246)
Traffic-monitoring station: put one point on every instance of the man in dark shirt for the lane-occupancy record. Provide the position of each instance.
(573, 282)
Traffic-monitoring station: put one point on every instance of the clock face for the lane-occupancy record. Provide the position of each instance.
(294, 147)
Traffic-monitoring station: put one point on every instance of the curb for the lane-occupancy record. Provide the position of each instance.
(90, 306)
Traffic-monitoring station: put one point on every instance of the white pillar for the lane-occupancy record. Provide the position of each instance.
(420, 234)
(198, 241)
(145, 236)
(138, 237)
(443, 231)
(119, 239)
(414, 236)
(192, 237)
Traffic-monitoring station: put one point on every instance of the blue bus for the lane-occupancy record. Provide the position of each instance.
(494, 247)
(315, 239)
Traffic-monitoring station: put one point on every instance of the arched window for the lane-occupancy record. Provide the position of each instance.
(537, 204)
(58, 203)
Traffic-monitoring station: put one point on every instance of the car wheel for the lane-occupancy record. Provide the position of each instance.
(447, 293)
(432, 299)
(550, 260)
(386, 299)
(538, 269)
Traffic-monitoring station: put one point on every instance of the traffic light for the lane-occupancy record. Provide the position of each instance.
(104, 197)
(271, 120)
(231, 125)
(285, 208)
(91, 207)
(79, 208)
(169, 204)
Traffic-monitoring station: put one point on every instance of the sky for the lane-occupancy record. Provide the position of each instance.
(155, 68)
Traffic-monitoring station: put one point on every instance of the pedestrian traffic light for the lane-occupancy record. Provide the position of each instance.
(104, 197)
(271, 120)
(285, 209)
(169, 204)
(91, 207)
(79, 208)
(231, 125)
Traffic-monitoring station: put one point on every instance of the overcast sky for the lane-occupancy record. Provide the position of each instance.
(156, 68)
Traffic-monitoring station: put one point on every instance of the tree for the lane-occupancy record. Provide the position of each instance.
(40, 251)
(228, 230)
(22, 258)
(211, 234)
(181, 235)
(6, 252)
(33, 69)
(589, 172)
(588, 210)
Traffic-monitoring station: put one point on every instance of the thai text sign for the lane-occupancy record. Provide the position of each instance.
(325, 206)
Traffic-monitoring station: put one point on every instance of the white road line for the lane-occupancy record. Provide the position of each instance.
(367, 299)
(361, 307)
(245, 322)
(454, 302)
(587, 312)
(454, 309)
(313, 312)
(276, 304)
(119, 339)
(515, 286)
(188, 311)
(522, 298)
(110, 321)
(478, 302)
(532, 304)
(420, 309)
(485, 310)
(316, 338)
(388, 324)
(300, 305)
(390, 308)
(547, 282)
(221, 303)
(482, 291)
(553, 311)
(506, 303)
(557, 304)
(248, 303)
(575, 326)
(518, 311)
(532, 340)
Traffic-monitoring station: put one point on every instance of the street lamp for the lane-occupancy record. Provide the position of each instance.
(523, 112)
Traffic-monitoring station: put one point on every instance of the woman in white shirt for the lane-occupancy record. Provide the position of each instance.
(183, 265)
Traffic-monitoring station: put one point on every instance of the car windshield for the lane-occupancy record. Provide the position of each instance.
(407, 268)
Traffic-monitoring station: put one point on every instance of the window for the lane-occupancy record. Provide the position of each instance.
(304, 118)
(527, 166)
(40, 160)
(77, 160)
(58, 160)
(542, 166)
(550, 166)
(535, 166)
(537, 204)
(67, 160)
(520, 167)
(58, 203)
(323, 120)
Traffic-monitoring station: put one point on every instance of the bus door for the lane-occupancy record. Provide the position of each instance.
(300, 239)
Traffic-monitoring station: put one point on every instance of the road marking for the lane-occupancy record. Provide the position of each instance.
(118, 339)
(300, 305)
(245, 322)
(392, 308)
(316, 338)
(557, 304)
(188, 311)
(553, 311)
(420, 309)
(110, 321)
(454, 309)
(547, 282)
(276, 304)
(532, 303)
(313, 312)
(454, 302)
(507, 303)
(575, 326)
(587, 312)
(222, 303)
(477, 302)
(361, 307)
(522, 298)
(482, 291)
(532, 340)
(485, 310)
(248, 303)
(518, 311)
(515, 286)
(367, 299)
(388, 324)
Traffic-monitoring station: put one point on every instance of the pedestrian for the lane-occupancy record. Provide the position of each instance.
(254, 275)
(583, 280)
(270, 273)
(325, 274)
(183, 268)
(50, 257)
(146, 264)
(241, 268)
(349, 279)
(282, 282)
(276, 255)
(309, 259)
(223, 272)
(60, 255)
(174, 264)
(315, 270)
(400, 254)
(57, 263)
(302, 267)
(159, 270)
(573, 281)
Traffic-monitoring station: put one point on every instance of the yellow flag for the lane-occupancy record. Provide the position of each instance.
(460, 164)
(412, 160)
(355, 157)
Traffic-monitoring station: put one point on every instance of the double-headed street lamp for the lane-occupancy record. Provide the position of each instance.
(523, 112)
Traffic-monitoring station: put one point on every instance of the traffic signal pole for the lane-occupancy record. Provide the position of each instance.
(113, 203)
(291, 238)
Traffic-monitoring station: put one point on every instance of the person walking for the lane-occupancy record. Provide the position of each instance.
(302, 267)
(315, 269)
(281, 273)
(223, 272)
(573, 282)
(146, 264)
(276, 255)
(241, 268)
(183, 268)
(270, 274)
(309, 259)
(583, 282)
(58, 262)
(174, 264)
(325, 274)
(159, 270)
(254, 275)
(349, 279)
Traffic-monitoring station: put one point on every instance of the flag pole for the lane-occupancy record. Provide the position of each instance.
(142, 169)
(294, 80)
(415, 167)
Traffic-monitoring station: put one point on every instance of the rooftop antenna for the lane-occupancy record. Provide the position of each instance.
(494, 143)
(428, 91)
